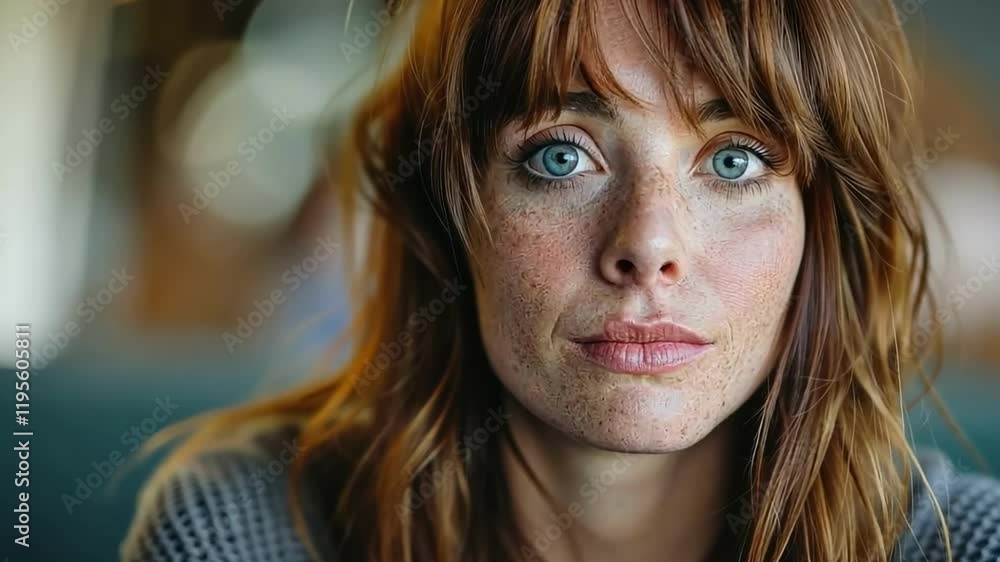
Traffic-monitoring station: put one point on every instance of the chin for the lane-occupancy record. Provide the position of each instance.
(640, 440)
(631, 420)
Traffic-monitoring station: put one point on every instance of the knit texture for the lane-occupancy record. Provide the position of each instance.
(971, 507)
(228, 506)
(232, 506)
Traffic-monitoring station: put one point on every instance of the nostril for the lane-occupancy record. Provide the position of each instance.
(667, 268)
(625, 266)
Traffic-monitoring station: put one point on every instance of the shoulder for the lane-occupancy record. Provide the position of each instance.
(226, 505)
(971, 507)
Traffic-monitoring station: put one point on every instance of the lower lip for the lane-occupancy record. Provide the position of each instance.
(652, 358)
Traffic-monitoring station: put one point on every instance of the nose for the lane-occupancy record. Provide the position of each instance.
(645, 248)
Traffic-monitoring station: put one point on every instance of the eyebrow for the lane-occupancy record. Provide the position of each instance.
(590, 104)
(717, 109)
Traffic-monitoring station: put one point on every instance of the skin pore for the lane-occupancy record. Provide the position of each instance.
(618, 211)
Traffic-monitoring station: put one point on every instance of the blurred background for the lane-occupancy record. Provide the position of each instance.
(164, 232)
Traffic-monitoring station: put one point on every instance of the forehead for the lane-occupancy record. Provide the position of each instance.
(635, 68)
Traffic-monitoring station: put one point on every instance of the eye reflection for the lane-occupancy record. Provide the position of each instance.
(731, 163)
(557, 160)
(738, 161)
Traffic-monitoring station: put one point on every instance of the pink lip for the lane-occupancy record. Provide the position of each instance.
(643, 349)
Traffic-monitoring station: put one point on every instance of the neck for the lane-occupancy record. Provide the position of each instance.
(590, 504)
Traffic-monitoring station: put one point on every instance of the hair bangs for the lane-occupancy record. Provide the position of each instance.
(730, 44)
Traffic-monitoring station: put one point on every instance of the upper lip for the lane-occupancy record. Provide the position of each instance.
(626, 331)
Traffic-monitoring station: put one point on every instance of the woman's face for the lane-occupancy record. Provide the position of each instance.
(639, 273)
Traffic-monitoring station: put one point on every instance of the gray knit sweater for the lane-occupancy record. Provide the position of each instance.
(233, 507)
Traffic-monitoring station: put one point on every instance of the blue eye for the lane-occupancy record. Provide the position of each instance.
(731, 163)
(558, 157)
(557, 160)
(740, 160)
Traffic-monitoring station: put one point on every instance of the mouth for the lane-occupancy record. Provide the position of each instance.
(642, 349)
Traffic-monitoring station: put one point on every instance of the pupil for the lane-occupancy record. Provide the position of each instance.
(560, 160)
(731, 164)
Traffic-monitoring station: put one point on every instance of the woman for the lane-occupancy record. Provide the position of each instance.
(642, 285)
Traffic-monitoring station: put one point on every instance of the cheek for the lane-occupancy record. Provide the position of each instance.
(751, 269)
(756, 262)
(527, 274)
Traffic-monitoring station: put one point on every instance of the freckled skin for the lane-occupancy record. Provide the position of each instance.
(550, 275)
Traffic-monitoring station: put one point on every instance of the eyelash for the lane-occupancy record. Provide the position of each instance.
(526, 151)
(739, 188)
(759, 149)
(753, 186)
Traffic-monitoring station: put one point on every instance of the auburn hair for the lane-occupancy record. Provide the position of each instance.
(830, 466)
